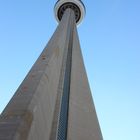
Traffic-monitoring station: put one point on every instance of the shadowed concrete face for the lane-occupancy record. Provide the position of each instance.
(54, 100)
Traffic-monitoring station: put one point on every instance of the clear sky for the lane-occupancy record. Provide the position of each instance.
(110, 42)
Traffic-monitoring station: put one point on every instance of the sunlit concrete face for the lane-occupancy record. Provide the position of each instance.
(54, 101)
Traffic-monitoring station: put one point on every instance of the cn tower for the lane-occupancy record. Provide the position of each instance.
(54, 101)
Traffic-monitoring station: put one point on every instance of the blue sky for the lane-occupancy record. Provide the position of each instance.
(110, 42)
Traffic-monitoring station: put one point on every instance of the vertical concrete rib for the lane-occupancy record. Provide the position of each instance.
(60, 119)
(63, 119)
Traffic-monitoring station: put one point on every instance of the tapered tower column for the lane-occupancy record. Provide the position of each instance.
(54, 101)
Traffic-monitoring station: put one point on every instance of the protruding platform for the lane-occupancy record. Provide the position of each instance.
(76, 5)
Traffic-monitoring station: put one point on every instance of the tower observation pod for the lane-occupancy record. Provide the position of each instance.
(54, 100)
(76, 5)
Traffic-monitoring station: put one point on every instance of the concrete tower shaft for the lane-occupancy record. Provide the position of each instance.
(54, 101)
